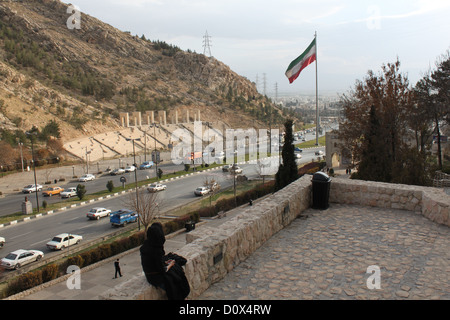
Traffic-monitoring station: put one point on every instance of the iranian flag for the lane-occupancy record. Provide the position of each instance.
(304, 60)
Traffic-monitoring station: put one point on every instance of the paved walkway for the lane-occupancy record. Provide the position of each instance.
(325, 256)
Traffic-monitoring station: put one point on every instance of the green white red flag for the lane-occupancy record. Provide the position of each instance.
(304, 60)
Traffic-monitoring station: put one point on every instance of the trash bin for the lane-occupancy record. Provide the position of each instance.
(321, 190)
(189, 225)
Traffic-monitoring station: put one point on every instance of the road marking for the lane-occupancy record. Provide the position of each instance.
(33, 244)
(21, 235)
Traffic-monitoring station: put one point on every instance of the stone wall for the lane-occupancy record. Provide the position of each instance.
(433, 203)
(213, 252)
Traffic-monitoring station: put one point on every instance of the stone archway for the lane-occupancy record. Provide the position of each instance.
(335, 160)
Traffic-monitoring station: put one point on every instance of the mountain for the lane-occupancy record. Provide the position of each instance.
(83, 78)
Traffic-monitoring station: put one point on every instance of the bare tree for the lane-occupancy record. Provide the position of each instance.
(146, 205)
(213, 187)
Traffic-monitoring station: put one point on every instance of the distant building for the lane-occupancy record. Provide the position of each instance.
(335, 158)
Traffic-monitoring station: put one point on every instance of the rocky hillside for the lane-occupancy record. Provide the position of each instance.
(83, 78)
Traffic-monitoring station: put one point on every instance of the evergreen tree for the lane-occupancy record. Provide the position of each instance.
(375, 165)
(81, 191)
(288, 171)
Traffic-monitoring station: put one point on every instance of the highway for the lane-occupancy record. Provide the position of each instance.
(35, 233)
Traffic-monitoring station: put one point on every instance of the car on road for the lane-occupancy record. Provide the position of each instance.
(155, 187)
(201, 191)
(297, 155)
(2, 242)
(52, 191)
(117, 171)
(226, 168)
(235, 170)
(319, 153)
(69, 192)
(32, 188)
(130, 169)
(63, 240)
(297, 149)
(97, 213)
(87, 177)
(146, 165)
(122, 217)
(19, 258)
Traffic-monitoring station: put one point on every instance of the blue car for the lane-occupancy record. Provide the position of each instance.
(146, 165)
(297, 149)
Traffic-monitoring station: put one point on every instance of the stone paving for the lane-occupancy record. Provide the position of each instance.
(322, 257)
(327, 255)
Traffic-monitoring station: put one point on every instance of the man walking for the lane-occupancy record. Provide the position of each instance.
(117, 267)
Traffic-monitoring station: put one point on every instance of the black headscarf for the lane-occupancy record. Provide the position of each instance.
(152, 254)
(174, 281)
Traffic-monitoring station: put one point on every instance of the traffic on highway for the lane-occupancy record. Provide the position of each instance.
(93, 220)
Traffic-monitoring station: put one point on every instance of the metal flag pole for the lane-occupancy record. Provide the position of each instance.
(317, 97)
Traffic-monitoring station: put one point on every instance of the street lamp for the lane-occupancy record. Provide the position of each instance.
(21, 154)
(30, 135)
(135, 179)
(87, 161)
(156, 155)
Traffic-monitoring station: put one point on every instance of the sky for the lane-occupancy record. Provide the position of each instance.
(261, 37)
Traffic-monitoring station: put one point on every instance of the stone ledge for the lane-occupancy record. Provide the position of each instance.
(213, 252)
(431, 202)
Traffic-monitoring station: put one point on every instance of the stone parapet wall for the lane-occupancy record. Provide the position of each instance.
(433, 203)
(213, 252)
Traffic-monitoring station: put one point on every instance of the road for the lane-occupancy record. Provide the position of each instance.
(35, 233)
(11, 203)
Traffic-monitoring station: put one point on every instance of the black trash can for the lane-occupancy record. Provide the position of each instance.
(189, 225)
(321, 190)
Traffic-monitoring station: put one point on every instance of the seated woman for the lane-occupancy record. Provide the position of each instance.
(162, 270)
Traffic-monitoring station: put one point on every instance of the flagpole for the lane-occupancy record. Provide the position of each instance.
(317, 97)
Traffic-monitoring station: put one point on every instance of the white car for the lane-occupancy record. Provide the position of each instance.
(319, 153)
(2, 241)
(235, 170)
(117, 172)
(155, 187)
(86, 177)
(69, 192)
(201, 191)
(63, 240)
(97, 213)
(130, 169)
(21, 257)
(32, 188)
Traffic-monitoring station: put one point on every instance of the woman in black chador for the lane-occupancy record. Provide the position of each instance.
(164, 271)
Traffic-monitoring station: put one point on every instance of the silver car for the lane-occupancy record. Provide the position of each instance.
(32, 188)
(20, 257)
